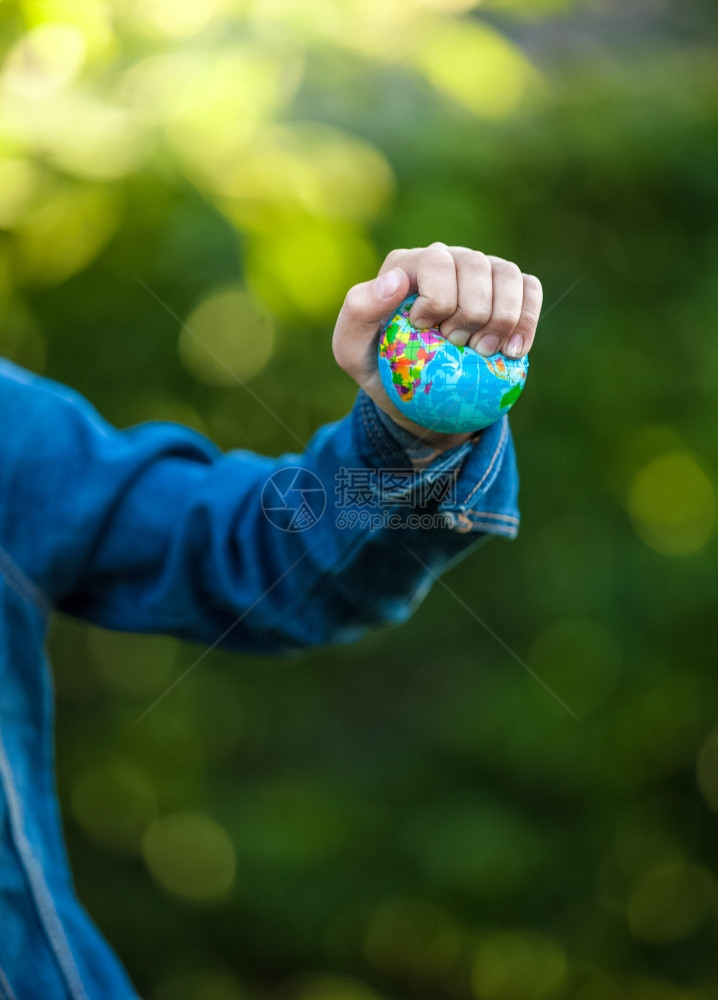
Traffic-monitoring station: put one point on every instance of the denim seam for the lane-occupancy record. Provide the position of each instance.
(22, 584)
(499, 529)
(499, 447)
(488, 513)
(47, 913)
(6, 991)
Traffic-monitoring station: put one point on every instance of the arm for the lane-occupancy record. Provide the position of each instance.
(154, 529)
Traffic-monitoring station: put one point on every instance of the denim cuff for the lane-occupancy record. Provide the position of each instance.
(461, 483)
(417, 449)
(486, 495)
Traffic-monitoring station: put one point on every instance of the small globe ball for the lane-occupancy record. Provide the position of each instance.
(443, 387)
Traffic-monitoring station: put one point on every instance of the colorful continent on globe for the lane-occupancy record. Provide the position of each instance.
(442, 386)
(408, 351)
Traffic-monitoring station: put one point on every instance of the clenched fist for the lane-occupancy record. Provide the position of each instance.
(471, 298)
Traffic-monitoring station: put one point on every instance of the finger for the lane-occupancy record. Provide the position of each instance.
(523, 336)
(508, 293)
(436, 285)
(365, 306)
(405, 259)
(419, 269)
(475, 294)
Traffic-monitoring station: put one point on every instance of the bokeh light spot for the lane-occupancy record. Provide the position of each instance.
(513, 966)
(43, 60)
(92, 18)
(64, 233)
(169, 19)
(191, 855)
(307, 267)
(198, 93)
(229, 336)
(308, 167)
(92, 139)
(413, 937)
(476, 66)
(20, 182)
(670, 902)
(114, 802)
(455, 6)
(672, 504)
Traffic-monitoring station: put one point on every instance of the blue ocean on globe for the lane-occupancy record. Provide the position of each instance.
(441, 386)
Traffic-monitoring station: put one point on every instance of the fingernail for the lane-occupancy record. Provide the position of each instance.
(488, 345)
(515, 346)
(387, 285)
(458, 337)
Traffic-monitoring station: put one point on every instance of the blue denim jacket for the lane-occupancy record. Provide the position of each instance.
(154, 529)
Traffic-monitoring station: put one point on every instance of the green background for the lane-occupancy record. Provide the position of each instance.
(415, 816)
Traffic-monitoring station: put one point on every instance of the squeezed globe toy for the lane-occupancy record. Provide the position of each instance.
(446, 388)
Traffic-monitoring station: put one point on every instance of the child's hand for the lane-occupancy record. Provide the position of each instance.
(485, 302)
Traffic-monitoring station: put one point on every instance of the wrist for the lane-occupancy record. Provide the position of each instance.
(421, 437)
(419, 447)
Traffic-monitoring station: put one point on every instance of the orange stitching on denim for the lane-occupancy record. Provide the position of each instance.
(487, 513)
(509, 530)
(464, 525)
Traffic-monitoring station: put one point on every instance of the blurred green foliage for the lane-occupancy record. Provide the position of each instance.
(413, 817)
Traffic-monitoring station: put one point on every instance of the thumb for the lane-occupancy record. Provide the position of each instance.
(368, 303)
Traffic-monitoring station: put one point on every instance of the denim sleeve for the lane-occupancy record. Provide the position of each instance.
(154, 529)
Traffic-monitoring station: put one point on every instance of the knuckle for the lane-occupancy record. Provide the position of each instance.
(436, 251)
(506, 268)
(473, 260)
(505, 319)
(530, 313)
(392, 256)
(480, 261)
(533, 288)
(461, 253)
(529, 320)
(473, 316)
(439, 304)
